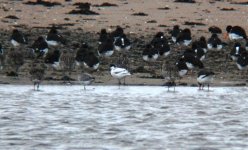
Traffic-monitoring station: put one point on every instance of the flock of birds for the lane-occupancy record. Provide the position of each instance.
(108, 43)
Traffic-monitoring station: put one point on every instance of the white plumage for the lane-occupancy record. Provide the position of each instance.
(119, 73)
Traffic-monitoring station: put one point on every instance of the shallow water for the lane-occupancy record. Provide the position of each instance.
(137, 118)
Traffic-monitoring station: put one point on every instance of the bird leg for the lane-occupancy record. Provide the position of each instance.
(38, 85)
(200, 85)
(84, 88)
(119, 82)
(124, 81)
(34, 85)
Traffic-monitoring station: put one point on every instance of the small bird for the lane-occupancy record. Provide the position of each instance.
(182, 68)
(119, 73)
(160, 43)
(150, 54)
(119, 31)
(37, 75)
(103, 36)
(201, 43)
(52, 58)
(158, 39)
(175, 32)
(169, 73)
(191, 61)
(53, 38)
(205, 78)
(67, 61)
(236, 51)
(214, 42)
(214, 30)
(198, 53)
(86, 57)
(242, 60)
(18, 38)
(236, 32)
(184, 37)
(15, 59)
(40, 47)
(106, 48)
(86, 79)
(91, 61)
(122, 44)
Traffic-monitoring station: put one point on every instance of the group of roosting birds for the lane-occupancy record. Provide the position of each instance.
(108, 43)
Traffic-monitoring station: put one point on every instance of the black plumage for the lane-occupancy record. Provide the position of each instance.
(18, 38)
(175, 32)
(150, 53)
(40, 47)
(215, 30)
(192, 61)
(214, 42)
(106, 48)
(184, 37)
(237, 30)
(54, 38)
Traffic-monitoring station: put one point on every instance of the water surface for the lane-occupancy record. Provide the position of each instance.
(135, 118)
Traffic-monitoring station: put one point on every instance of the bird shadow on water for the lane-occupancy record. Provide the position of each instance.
(205, 90)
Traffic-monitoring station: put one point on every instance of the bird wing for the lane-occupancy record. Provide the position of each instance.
(120, 71)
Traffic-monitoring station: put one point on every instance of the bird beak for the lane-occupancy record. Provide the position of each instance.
(225, 36)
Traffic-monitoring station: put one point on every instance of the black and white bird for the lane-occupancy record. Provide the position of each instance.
(86, 57)
(40, 47)
(175, 32)
(192, 61)
(106, 48)
(122, 43)
(160, 43)
(214, 42)
(236, 51)
(119, 73)
(215, 30)
(182, 68)
(201, 43)
(198, 52)
(236, 32)
(158, 39)
(150, 54)
(37, 73)
(117, 33)
(164, 50)
(91, 61)
(103, 36)
(184, 37)
(242, 61)
(18, 38)
(52, 58)
(85, 79)
(205, 78)
(53, 38)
